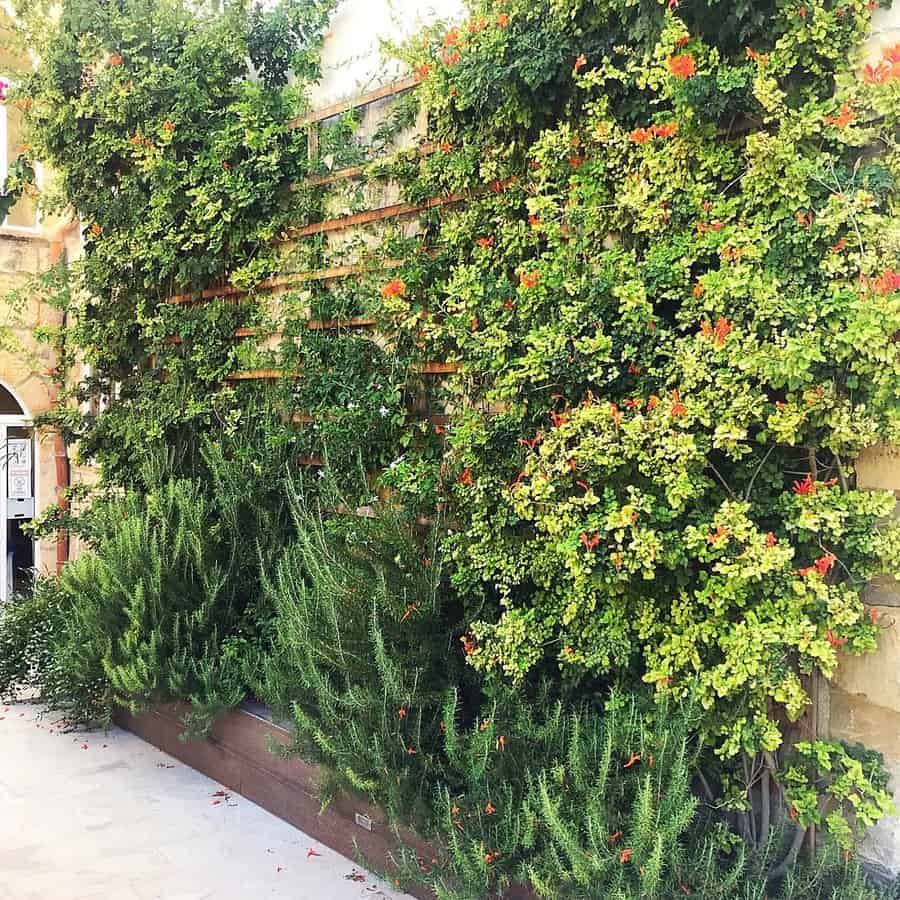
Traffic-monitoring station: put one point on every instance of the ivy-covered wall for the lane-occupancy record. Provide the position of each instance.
(615, 286)
(862, 702)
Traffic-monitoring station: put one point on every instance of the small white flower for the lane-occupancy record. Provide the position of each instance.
(384, 411)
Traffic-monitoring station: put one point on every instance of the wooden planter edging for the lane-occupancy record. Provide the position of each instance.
(237, 755)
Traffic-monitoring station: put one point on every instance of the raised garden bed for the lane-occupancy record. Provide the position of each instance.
(237, 755)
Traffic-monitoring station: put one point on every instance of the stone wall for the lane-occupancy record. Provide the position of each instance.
(865, 693)
(864, 697)
(25, 364)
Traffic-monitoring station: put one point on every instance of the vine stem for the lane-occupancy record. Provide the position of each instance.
(757, 471)
(842, 475)
(751, 819)
(765, 811)
(706, 788)
(790, 858)
(813, 463)
(718, 475)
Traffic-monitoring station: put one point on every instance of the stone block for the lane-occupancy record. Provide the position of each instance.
(878, 468)
(856, 719)
(875, 677)
(23, 254)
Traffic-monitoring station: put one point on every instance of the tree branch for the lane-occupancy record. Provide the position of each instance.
(841, 474)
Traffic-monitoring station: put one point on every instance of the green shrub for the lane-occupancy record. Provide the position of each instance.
(25, 626)
(151, 604)
(599, 806)
(578, 799)
(166, 605)
(41, 655)
(364, 650)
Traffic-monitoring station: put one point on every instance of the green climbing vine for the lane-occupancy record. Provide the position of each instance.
(673, 298)
(665, 261)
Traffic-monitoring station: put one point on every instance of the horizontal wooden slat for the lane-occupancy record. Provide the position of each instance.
(334, 324)
(348, 173)
(436, 368)
(298, 418)
(312, 325)
(261, 375)
(369, 512)
(329, 274)
(311, 461)
(346, 271)
(232, 291)
(335, 109)
(394, 211)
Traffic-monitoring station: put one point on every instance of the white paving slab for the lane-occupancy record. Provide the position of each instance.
(108, 817)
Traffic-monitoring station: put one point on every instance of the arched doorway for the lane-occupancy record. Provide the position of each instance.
(17, 493)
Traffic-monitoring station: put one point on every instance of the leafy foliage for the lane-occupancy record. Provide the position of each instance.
(41, 655)
(682, 321)
(516, 788)
(166, 605)
(19, 176)
(847, 779)
(672, 297)
(285, 39)
(361, 647)
(184, 169)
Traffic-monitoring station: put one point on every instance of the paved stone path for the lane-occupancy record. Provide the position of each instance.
(108, 817)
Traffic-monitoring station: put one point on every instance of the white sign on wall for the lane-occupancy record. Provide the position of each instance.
(18, 467)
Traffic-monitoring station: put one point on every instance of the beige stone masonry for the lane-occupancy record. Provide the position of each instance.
(865, 693)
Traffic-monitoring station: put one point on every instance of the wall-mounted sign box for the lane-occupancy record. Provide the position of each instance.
(20, 508)
(18, 469)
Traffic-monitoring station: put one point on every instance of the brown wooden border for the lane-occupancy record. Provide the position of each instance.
(373, 96)
(394, 211)
(237, 755)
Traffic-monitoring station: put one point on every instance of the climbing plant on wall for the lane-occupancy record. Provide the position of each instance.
(185, 171)
(663, 258)
(673, 296)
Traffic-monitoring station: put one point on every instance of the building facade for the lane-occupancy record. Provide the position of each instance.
(861, 704)
(34, 464)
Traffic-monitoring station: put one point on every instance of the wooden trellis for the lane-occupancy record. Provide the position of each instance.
(332, 273)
